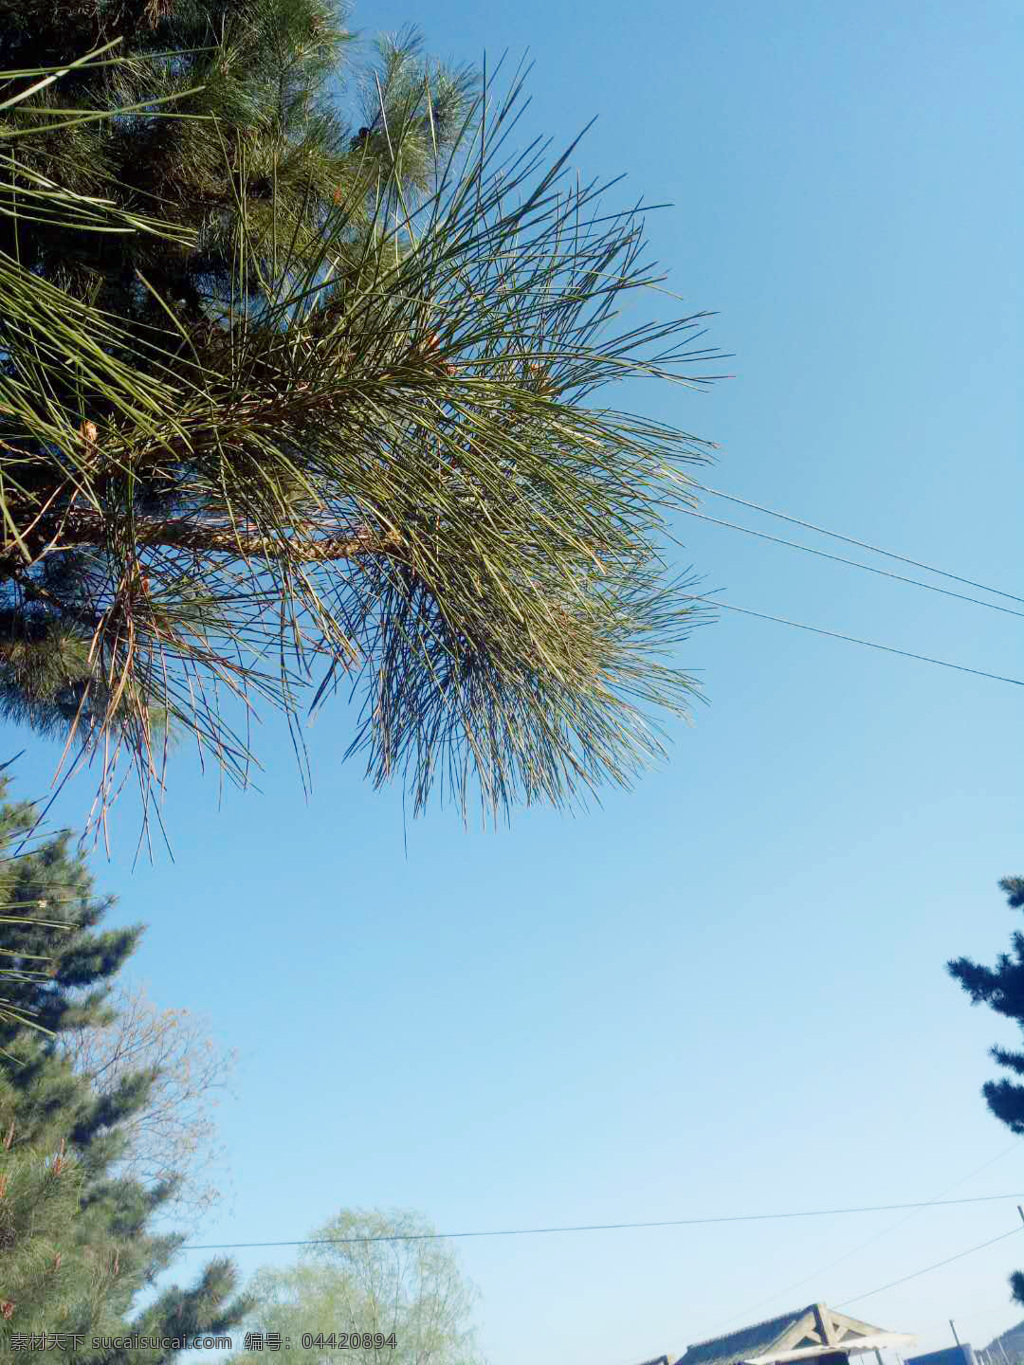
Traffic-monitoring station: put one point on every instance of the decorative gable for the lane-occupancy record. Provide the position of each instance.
(811, 1333)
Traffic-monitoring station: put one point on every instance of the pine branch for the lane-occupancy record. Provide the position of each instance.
(87, 530)
(370, 442)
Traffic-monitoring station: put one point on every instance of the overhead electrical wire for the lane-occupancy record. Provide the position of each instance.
(937, 1265)
(853, 563)
(605, 1227)
(715, 1329)
(854, 640)
(850, 540)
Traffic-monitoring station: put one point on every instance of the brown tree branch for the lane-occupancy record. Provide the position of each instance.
(204, 537)
(84, 529)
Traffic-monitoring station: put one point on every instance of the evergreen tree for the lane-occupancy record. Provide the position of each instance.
(52, 950)
(298, 376)
(79, 1238)
(1002, 988)
(41, 1276)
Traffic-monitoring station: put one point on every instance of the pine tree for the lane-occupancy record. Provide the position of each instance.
(51, 948)
(41, 1276)
(1002, 989)
(298, 387)
(80, 1241)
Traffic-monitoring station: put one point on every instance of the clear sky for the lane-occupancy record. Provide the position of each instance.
(723, 993)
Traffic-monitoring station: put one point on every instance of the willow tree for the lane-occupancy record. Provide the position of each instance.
(370, 1287)
(304, 383)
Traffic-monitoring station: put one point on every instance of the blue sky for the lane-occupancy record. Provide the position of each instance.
(723, 993)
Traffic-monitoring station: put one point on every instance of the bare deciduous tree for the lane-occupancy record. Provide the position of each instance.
(175, 1134)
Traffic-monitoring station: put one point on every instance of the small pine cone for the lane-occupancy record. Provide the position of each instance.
(539, 378)
(428, 351)
(89, 433)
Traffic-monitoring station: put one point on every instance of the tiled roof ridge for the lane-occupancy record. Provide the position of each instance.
(753, 1326)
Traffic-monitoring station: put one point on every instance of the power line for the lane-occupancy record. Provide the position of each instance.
(853, 640)
(853, 563)
(928, 1268)
(603, 1227)
(861, 544)
(1004, 1304)
(875, 1237)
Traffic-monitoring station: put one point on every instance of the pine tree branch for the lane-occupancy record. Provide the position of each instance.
(387, 375)
(88, 530)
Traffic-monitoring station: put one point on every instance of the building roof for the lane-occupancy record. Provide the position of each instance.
(741, 1345)
(802, 1333)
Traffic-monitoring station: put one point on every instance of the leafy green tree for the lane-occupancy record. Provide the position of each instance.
(1002, 988)
(80, 1237)
(302, 376)
(385, 1277)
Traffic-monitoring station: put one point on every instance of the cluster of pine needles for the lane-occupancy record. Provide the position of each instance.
(388, 467)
